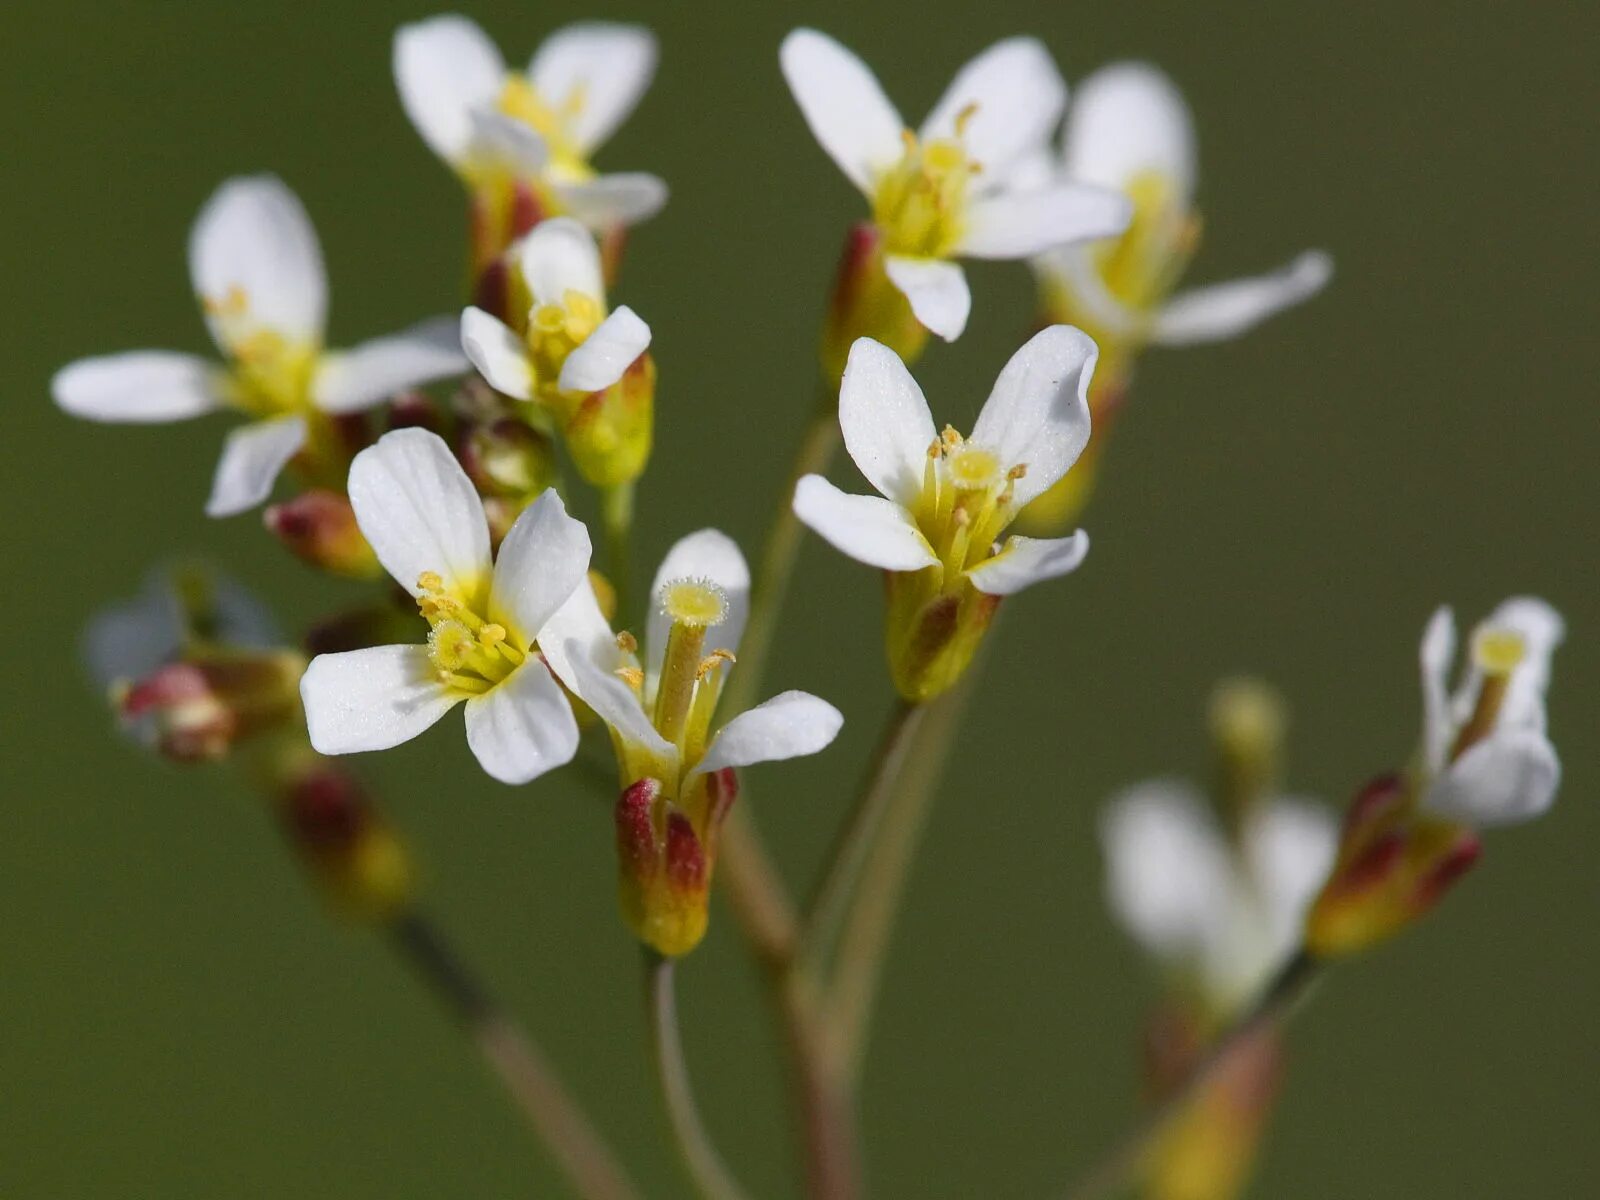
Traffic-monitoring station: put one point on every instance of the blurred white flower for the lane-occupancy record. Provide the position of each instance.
(426, 524)
(1130, 130)
(1221, 914)
(257, 269)
(947, 190)
(1486, 756)
(495, 125)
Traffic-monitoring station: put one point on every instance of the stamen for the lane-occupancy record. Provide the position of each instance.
(632, 676)
(712, 661)
(627, 643)
(964, 117)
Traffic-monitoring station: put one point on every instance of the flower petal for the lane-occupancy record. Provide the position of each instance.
(1290, 847)
(711, 555)
(1225, 310)
(1038, 413)
(373, 371)
(1018, 224)
(1437, 652)
(596, 71)
(445, 67)
(542, 562)
(614, 703)
(578, 627)
(420, 512)
(523, 726)
(1509, 777)
(1073, 270)
(139, 386)
(787, 726)
(869, 529)
(504, 144)
(885, 420)
(558, 257)
(1024, 561)
(624, 198)
(1006, 102)
(1542, 630)
(371, 699)
(606, 354)
(936, 290)
(255, 263)
(499, 354)
(843, 104)
(252, 456)
(1127, 119)
(1167, 875)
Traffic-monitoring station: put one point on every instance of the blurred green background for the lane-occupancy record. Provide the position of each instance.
(180, 1021)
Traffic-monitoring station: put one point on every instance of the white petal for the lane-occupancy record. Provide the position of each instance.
(1225, 310)
(371, 699)
(869, 529)
(1542, 630)
(1038, 412)
(558, 257)
(1021, 223)
(420, 512)
(523, 726)
(252, 456)
(625, 198)
(445, 67)
(1437, 652)
(787, 726)
(597, 71)
(615, 704)
(606, 354)
(373, 371)
(1509, 777)
(139, 386)
(1167, 875)
(1074, 270)
(885, 420)
(1290, 846)
(1025, 561)
(498, 141)
(711, 555)
(254, 253)
(1127, 119)
(937, 291)
(1014, 95)
(499, 354)
(542, 562)
(844, 105)
(131, 639)
(578, 627)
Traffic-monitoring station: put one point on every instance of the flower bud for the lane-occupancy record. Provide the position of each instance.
(665, 861)
(1395, 863)
(931, 634)
(319, 527)
(506, 458)
(199, 708)
(1247, 719)
(357, 859)
(609, 433)
(867, 304)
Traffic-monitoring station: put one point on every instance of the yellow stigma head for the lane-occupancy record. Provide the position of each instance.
(972, 468)
(1498, 651)
(697, 603)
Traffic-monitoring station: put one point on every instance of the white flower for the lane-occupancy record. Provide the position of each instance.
(257, 268)
(426, 524)
(660, 711)
(948, 191)
(572, 344)
(944, 501)
(1129, 129)
(1486, 756)
(1225, 915)
(494, 124)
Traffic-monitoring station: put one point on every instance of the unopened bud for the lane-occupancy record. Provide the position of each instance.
(507, 458)
(319, 527)
(199, 709)
(358, 860)
(610, 433)
(1394, 864)
(867, 304)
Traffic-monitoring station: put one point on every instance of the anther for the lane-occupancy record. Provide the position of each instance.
(627, 643)
(712, 661)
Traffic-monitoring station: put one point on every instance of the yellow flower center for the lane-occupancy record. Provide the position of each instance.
(271, 374)
(1141, 267)
(470, 654)
(520, 100)
(555, 331)
(920, 203)
(966, 501)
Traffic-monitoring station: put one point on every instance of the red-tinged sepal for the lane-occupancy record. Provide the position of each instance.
(1395, 864)
(319, 527)
(866, 304)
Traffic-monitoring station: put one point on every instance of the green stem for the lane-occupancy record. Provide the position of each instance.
(853, 844)
(616, 516)
(864, 940)
(700, 1158)
(554, 1115)
(1277, 1002)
